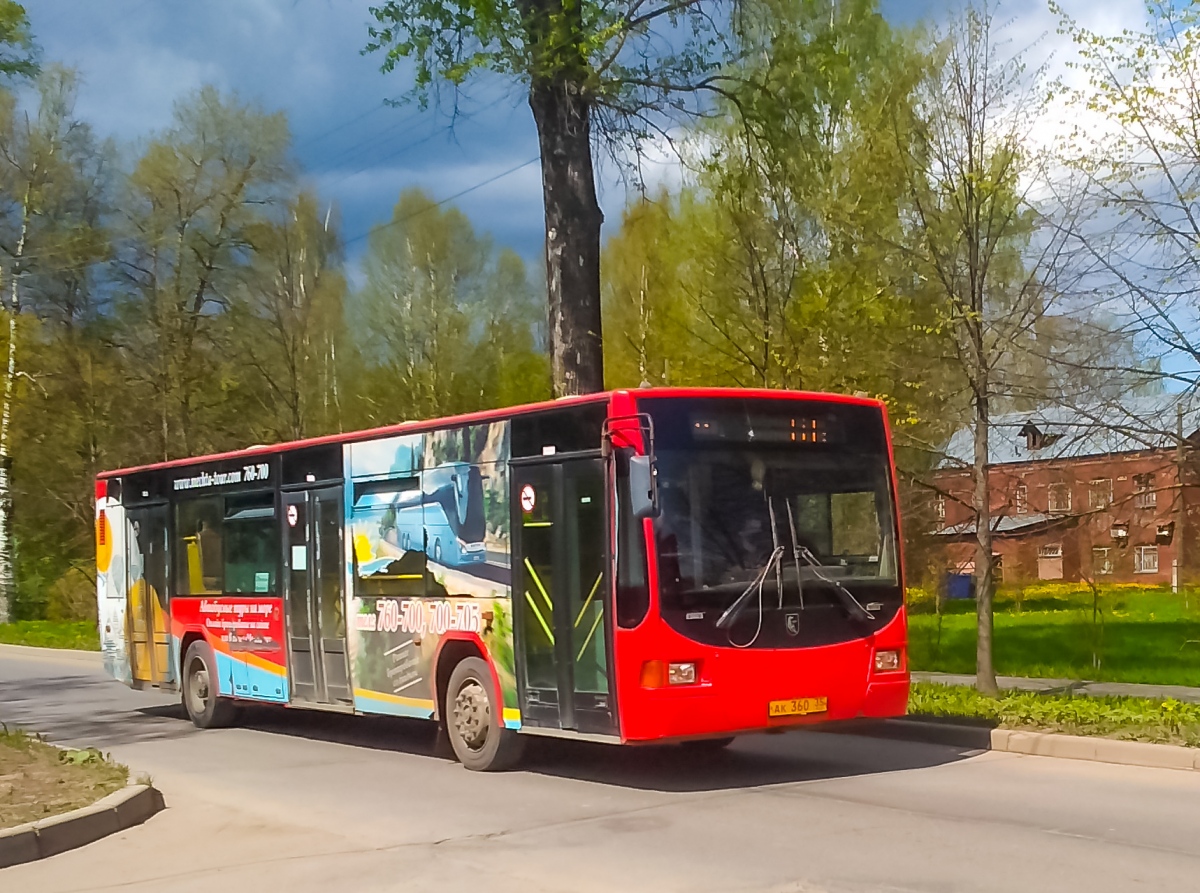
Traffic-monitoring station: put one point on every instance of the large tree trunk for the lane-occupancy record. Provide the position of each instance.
(985, 673)
(561, 111)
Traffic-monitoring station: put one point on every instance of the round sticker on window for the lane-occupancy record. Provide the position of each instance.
(293, 515)
(528, 498)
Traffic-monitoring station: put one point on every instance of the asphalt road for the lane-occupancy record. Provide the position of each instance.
(297, 801)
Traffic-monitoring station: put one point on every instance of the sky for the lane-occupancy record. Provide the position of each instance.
(138, 57)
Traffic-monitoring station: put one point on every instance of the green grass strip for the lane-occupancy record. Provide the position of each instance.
(79, 635)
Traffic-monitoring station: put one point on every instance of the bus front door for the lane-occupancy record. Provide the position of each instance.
(147, 609)
(560, 595)
(313, 562)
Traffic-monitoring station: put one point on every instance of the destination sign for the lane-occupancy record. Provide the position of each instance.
(258, 472)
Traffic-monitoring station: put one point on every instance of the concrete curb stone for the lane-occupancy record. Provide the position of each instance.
(1042, 744)
(56, 834)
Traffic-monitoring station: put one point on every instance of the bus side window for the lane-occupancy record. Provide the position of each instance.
(251, 544)
(199, 562)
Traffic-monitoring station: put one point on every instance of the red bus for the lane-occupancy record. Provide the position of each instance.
(636, 566)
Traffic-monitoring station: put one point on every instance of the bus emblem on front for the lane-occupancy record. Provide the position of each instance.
(792, 622)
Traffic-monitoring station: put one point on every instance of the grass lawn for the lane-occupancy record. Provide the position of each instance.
(1139, 636)
(81, 635)
(1130, 719)
(37, 780)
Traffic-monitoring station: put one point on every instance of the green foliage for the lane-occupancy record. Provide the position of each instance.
(780, 262)
(196, 302)
(448, 325)
(1131, 719)
(606, 48)
(76, 635)
(17, 57)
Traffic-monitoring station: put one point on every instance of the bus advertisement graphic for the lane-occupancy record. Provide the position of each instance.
(428, 558)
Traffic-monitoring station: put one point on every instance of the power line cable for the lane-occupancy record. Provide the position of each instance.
(457, 195)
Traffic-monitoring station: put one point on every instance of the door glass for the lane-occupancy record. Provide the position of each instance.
(155, 558)
(139, 638)
(298, 569)
(329, 566)
(583, 502)
(328, 572)
(536, 505)
(304, 679)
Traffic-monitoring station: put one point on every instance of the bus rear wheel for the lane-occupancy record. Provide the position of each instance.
(473, 707)
(207, 709)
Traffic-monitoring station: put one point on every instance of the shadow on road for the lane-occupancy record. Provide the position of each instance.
(751, 761)
(86, 708)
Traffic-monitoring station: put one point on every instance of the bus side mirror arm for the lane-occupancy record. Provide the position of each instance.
(643, 487)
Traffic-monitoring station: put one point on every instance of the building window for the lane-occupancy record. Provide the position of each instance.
(939, 506)
(1060, 498)
(1100, 494)
(1050, 562)
(1145, 560)
(1102, 563)
(1022, 499)
(1144, 496)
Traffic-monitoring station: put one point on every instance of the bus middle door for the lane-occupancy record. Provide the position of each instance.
(316, 614)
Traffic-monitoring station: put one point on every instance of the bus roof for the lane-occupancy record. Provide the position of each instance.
(413, 427)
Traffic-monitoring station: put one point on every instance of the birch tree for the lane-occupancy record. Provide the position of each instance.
(287, 321)
(975, 238)
(35, 160)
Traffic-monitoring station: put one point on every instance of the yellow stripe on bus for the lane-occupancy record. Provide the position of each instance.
(363, 693)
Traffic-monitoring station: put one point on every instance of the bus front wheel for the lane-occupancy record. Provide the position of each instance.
(200, 694)
(473, 707)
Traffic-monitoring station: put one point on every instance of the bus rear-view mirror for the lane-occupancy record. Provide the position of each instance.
(643, 494)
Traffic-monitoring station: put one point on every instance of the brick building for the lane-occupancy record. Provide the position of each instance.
(1097, 494)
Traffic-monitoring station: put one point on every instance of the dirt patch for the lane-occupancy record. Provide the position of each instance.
(38, 780)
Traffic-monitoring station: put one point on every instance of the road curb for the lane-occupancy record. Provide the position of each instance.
(71, 654)
(1041, 744)
(56, 834)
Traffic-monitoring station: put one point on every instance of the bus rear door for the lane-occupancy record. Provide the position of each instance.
(147, 609)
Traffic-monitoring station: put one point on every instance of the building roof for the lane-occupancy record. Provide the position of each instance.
(1129, 425)
(1001, 524)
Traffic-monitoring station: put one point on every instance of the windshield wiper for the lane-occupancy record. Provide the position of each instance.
(852, 605)
(756, 585)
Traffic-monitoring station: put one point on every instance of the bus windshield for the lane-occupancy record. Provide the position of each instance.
(725, 514)
(770, 508)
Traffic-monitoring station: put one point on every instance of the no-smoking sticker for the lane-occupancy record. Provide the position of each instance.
(293, 515)
(528, 498)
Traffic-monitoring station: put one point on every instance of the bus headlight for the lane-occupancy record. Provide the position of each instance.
(660, 674)
(682, 673)
(886, 661)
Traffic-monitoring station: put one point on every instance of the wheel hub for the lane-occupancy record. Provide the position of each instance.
(472, 714)
(199, 688)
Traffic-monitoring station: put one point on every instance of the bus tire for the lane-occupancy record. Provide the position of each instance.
(437, 550)
(480, 742)
(205, 707)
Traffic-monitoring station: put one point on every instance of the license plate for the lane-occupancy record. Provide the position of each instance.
(797, 707)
